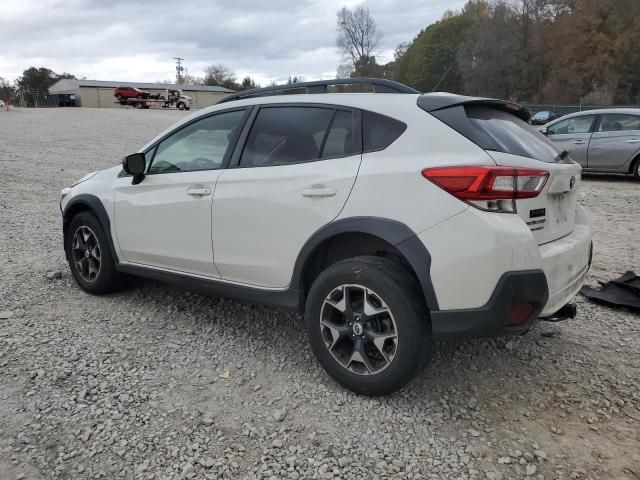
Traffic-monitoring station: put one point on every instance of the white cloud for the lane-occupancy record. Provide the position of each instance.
(136, 40)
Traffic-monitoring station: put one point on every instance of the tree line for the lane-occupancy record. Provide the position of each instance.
(552, 51)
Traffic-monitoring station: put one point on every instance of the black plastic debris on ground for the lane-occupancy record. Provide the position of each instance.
(621, 292)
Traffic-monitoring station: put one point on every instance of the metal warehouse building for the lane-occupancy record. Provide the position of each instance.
(99, 94)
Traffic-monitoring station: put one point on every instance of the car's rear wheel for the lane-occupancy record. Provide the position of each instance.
(89, 257)
(367, 324)
(636, 169)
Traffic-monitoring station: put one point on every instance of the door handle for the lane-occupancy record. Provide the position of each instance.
(633, 140)
(579, 142)
(319, 191)
(199, 192)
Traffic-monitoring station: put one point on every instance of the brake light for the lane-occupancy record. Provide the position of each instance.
(489, 188)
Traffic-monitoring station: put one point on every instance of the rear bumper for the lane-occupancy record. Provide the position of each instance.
(566, 262)
(513, 288)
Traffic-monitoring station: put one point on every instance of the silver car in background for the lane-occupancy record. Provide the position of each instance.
(606, 140)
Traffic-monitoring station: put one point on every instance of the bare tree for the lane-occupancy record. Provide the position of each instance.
(344, 70)
(358, 37)
(220, 75)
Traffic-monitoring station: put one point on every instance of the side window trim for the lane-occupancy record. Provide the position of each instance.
(356, 115)
(232, 142)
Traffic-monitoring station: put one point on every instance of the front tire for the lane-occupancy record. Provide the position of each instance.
(367, 324)
(89, 257)
(636, 169)
(181, 106)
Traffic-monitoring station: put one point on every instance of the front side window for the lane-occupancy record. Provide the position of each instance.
(617, 122)
(201, 145)
(572, 125)
(289, 135)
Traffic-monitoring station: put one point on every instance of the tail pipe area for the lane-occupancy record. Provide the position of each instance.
(568, 311)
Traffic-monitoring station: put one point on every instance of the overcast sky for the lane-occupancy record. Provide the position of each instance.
(135, 40)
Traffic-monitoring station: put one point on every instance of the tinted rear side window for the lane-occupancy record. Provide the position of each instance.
(339, 138)
(379, 131)
(286, 135)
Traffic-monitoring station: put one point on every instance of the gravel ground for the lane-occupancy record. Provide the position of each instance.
(157, 382)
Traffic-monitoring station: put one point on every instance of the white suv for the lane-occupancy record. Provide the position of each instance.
(387, 218)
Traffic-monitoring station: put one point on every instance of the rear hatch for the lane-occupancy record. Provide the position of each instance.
(502, 129)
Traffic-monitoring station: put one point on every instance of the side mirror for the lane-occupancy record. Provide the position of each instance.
(135, 164)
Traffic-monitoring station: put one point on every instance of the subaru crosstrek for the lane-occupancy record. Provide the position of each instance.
(388, 218)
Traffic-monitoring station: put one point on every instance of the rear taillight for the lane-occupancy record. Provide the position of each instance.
(494, 189)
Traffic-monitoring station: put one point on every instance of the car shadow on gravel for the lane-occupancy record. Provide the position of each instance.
(277, 340)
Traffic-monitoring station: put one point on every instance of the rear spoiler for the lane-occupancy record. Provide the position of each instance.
(432, 102)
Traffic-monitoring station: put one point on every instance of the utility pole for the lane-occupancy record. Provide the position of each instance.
(179, 69)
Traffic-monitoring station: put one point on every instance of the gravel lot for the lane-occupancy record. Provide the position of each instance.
(157, 382)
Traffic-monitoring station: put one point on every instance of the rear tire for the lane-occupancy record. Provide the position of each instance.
(368, 325)
(636, 169)
(89, 256)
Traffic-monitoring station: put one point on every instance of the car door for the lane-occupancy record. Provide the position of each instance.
(573, 135)
(294, 174)
(615, 142)
(165, 221)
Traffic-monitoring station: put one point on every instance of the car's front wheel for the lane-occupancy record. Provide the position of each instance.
(367, 324)
(89, 257)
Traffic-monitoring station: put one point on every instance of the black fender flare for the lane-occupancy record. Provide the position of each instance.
(393, 232)
(85, 201)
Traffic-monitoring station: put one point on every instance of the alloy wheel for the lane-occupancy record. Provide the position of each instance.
(86, 252)
(358, 329)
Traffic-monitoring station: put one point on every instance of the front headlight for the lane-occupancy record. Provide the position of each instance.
(65, 191)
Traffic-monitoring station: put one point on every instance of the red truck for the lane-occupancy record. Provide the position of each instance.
(137, 98)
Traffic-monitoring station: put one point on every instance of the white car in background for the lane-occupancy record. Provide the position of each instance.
(387, 218)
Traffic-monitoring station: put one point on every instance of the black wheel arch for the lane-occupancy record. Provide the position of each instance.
(402, 240)
(88, 202)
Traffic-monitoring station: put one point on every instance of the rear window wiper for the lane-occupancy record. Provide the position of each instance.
(563, 154)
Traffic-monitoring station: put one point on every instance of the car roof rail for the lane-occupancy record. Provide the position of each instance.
(379, 85)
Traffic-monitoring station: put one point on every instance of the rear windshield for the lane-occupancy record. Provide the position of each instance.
(498, 130)
(510, 134)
